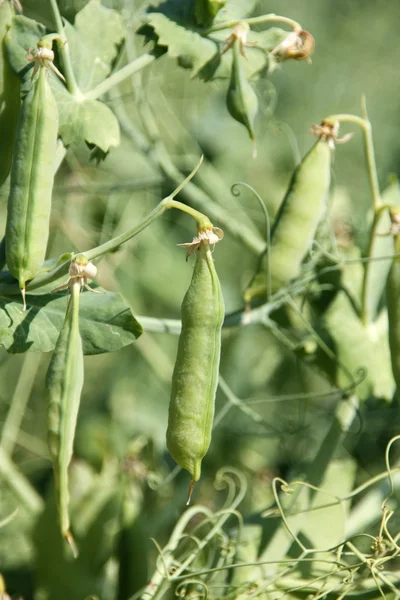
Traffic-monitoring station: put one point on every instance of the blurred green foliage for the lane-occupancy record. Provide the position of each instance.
(125, 490)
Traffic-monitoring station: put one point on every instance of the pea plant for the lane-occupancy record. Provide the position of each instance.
(222, 453)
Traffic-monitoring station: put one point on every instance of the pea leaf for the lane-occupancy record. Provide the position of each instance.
(172, 27)
(106, 323)
(235, 9)
(93, 45)
(325, 524)
(357, 346)
(89, 120)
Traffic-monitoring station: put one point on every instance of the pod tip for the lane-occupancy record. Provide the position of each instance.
(190, 492)
(254, 153)
(71, 542)
(23, 294)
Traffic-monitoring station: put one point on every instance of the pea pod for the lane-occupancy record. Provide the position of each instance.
(393, 306)
(241, 99)
(64, 384)
(195, 376)
(32, 175)
(296, 222)
(206, 10)
(9, 96)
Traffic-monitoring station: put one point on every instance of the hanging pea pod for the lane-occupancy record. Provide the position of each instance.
(295, 224)
(9, 96)
(195, 376)
(393, 306)
(64, 384)
(206, 10)
(241, 99)
(381, 244)
(32, 175)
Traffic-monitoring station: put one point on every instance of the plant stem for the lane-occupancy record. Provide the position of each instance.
(18, 483)
(19, 401)
(377, 203)
(116, 242)
(254, 21)
(164, 205)
(120, 75)
(159, 156)
(64, 51)
(369, 150)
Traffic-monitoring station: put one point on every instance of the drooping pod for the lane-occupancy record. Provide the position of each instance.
(195, 376)
(295, 224)
(64, 383)
(241, 99)
(9, 96)
(32, 175)
(393, 307)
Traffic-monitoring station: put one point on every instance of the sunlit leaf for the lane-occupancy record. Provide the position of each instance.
(106, 323)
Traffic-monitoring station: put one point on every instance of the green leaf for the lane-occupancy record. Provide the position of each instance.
(88, 120)
(326, 526)
(173, 28)
(235, 9)
(93, 44)
(191, 49)
(358, 346)
(106, 323)
(184, 12)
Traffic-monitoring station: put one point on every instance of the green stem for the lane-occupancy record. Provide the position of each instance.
(158, 154)
(120, 75)
(21, 487)
(369, 150)
(64, 51)
(23, 388)
(164, 205)
(203, 222)
(377, 203)
(371, 162)
(115, 243)
(364, 314)
(254, 21)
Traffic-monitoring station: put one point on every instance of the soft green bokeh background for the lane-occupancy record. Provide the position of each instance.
(126, 394)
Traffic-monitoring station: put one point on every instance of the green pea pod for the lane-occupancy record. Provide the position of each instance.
(206, 10)
(64, 384)
(296, 222)
(9, 96)
(381, 244)
(195, 376)
(393, 306)
(241, 99)
(32, 175)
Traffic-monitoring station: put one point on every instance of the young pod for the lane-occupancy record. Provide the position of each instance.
(241, 99)
(9, 96)
(296, 222)
(206, 10)
(195, 376)
(393, 306)
(64, 385)
(32, 174)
